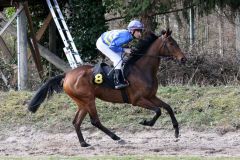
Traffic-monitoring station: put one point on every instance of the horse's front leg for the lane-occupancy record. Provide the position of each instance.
(145, 103)
(160, 103)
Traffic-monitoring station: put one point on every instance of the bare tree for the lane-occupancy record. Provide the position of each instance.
(237, 30)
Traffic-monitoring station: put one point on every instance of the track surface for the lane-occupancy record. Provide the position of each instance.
(26, 141)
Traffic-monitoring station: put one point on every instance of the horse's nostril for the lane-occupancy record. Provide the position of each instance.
(183, 60)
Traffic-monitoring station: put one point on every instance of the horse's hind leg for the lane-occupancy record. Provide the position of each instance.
(80, 115)
(96, 122)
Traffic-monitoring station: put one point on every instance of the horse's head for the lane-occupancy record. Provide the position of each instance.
(170, 48)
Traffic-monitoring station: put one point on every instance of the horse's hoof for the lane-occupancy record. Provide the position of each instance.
(176, 134)
(84, 144)
(116, 138)
(146, 123)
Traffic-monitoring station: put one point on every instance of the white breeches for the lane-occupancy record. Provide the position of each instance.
(116, 58)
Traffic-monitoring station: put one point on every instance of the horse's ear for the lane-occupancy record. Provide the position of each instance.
(163, 32)
(169, 32)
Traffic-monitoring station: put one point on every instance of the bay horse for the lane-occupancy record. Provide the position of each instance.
(142, 69)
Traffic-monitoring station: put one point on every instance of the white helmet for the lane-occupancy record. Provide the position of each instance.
(135, 24)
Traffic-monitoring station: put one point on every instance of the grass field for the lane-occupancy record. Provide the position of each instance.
(197, 107)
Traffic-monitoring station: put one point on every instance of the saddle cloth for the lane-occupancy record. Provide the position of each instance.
(103, 75)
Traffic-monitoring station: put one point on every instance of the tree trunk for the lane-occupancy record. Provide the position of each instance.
(149, 23)
(221, 33)
(237, 29)
(191, 26)
(206, 33)
(148, 20)
(179, 25)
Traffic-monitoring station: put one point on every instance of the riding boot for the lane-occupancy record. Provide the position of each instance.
(119, 80)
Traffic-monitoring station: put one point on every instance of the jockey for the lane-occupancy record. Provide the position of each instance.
(111, 45)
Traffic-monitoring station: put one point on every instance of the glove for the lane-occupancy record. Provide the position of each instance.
(128, 51)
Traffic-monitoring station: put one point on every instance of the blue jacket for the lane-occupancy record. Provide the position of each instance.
(116, 39)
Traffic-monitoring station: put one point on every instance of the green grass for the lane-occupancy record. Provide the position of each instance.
(204, 106)
(197, 107)
(123, 158)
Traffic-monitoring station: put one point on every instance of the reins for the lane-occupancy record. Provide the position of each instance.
(146, 55)
(164, 44)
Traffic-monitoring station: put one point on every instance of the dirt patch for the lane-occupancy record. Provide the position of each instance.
(29, 141)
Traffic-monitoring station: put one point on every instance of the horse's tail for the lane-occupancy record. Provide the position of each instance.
(46, 90)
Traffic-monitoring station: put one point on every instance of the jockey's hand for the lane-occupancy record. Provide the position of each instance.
(127, 51)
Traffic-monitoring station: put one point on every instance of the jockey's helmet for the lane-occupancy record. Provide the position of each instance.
(135, 24)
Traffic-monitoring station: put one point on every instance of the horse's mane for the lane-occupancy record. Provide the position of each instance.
(141, 48)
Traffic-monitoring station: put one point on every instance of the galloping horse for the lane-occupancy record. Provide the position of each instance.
(142, 69)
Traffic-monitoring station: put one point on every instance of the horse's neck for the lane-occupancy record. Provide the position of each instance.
(149, 63)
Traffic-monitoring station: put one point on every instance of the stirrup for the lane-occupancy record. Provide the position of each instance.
(121, 85)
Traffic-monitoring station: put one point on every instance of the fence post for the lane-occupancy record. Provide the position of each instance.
(22, 50)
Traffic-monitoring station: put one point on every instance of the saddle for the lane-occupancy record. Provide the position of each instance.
(103, 75)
